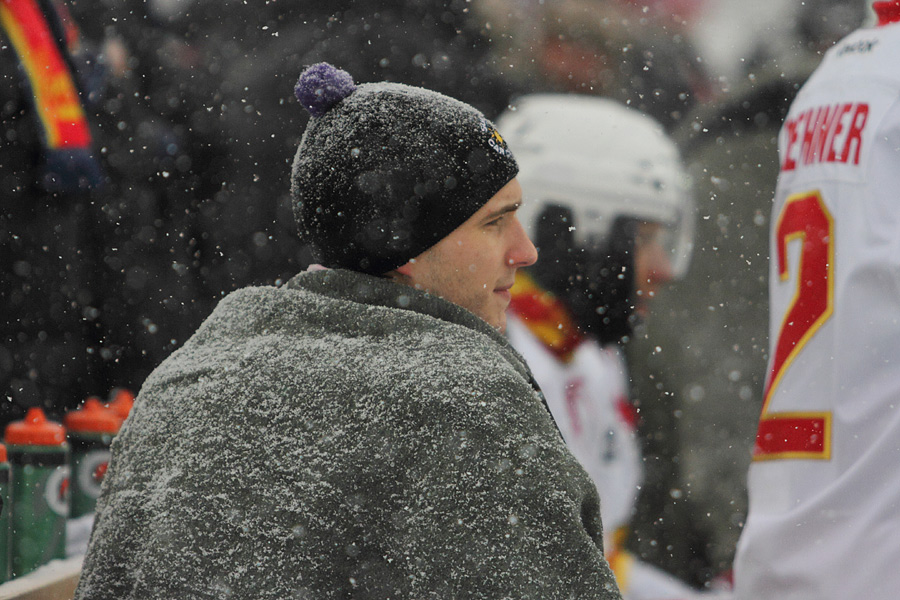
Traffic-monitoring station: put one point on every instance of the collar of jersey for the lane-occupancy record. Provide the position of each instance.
(545, 316)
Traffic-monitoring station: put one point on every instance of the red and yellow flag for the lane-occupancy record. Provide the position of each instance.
(56, 99)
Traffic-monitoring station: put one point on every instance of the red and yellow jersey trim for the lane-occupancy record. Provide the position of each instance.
(55, 94)
(803, 435)
(545, 316)
(619, 559)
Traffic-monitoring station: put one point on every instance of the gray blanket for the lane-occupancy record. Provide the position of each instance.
(344, 436)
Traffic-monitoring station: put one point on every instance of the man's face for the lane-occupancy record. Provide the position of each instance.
(476, 264)
(652, 266)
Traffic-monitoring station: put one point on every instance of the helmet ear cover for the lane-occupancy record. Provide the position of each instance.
(595, 280)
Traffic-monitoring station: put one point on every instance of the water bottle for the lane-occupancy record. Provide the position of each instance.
(120, 401)
(90, 431)
(39, 458)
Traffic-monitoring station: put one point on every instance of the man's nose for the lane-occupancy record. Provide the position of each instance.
(522, 253)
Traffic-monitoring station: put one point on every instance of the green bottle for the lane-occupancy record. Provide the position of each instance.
(39, 460)
(5, 506)
(90, 431)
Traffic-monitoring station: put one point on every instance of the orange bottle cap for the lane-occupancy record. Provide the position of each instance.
(93, 417)
(35, 430)
(3, 458)
(121, 402)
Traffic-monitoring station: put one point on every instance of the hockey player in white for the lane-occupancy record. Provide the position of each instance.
(824, 516)
(606, 200)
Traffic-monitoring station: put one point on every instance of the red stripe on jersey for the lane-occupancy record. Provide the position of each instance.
(793, 435)
(627, 412)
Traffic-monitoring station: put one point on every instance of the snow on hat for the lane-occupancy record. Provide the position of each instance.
(384, 171)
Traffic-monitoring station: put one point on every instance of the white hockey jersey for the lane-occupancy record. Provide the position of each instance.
(586, 388)
(586, 396)
(824, 515)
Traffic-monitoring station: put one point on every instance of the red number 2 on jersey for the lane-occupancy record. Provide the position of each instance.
(800, 434)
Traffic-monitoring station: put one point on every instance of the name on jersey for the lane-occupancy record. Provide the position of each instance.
(825, 134)
(860, 47)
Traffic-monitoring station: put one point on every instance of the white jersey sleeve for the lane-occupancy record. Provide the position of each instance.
(824, 486)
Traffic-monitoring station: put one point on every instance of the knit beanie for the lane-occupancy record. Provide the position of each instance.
(384, 171)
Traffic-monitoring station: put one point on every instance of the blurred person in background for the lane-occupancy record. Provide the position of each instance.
(608, 203)
(50, 170)
(646, 60)
(97, 226)
(823, 516)
(641, 55)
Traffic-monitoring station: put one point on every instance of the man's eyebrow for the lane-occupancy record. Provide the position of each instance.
(502, 211)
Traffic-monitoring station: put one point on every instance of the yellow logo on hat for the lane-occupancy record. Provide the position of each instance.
(496, 140)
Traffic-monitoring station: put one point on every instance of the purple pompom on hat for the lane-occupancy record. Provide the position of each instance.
(321, 86)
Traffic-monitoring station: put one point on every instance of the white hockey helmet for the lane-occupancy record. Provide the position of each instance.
(602, 161)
